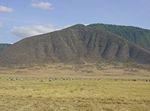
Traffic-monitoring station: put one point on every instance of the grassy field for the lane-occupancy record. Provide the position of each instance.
(67, 88)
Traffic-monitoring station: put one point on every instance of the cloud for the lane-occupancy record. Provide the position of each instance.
(5, 9)
(27, 31)
(42, 5)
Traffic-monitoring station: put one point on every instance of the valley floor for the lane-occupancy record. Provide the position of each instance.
(75, 88)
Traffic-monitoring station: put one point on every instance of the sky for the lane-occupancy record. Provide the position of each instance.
(24, 18)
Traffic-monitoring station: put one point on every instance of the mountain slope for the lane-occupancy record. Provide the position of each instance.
(136, 35)
(78, 43)
(3, 46)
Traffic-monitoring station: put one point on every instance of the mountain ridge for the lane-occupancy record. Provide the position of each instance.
(74, 44)
(133, 34)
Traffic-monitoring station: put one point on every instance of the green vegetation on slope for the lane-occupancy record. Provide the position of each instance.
(136, 35)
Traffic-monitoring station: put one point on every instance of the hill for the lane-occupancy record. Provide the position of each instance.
(76, 44)
(3, 46)
(136, 35)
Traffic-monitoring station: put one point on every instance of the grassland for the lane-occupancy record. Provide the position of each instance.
(75, 88)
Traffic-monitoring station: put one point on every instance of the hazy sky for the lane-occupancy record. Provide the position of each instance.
(23, 18)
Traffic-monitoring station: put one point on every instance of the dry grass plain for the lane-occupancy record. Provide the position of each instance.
(88, 87)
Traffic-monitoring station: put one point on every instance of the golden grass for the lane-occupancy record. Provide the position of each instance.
(74, 95)
(61, 87)
(79, 70)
